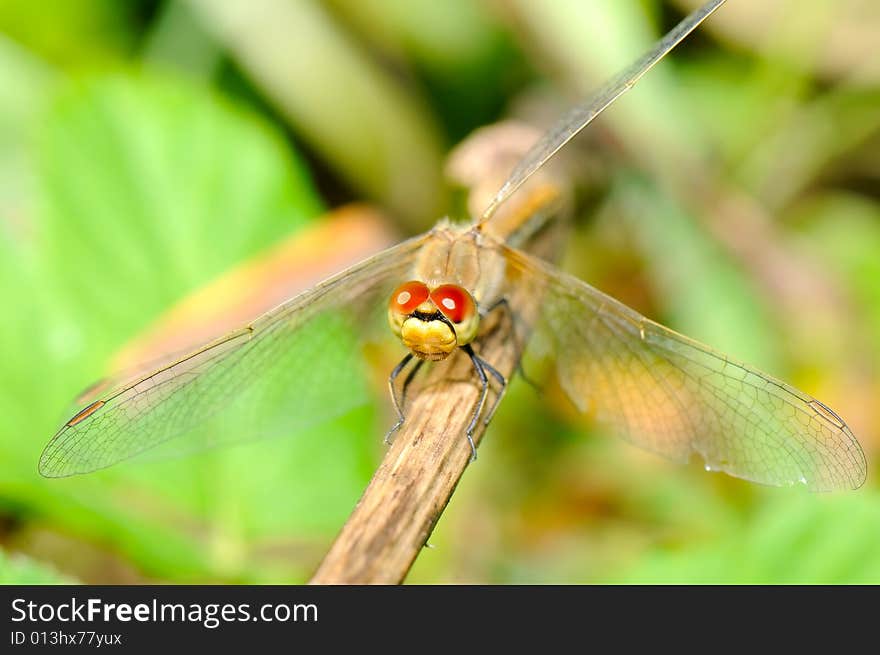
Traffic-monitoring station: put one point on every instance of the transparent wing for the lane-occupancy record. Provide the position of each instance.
(582, 115)
(674, 396)
(298, 364)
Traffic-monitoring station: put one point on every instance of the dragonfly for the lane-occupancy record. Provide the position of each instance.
(656, 388)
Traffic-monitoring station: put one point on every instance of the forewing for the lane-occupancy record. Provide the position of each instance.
(299, 364)
(674, 396)
(570, 125)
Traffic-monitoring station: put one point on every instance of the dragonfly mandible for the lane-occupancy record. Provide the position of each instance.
(656, 388)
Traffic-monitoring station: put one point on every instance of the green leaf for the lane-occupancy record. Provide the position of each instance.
(795, 538)
(20, 570)
(72, 34)
(172, 185)
(147, 189)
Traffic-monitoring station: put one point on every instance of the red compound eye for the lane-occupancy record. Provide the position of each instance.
(455, 303)
(408, 296)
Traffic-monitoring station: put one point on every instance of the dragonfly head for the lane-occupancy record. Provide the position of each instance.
(432, 323)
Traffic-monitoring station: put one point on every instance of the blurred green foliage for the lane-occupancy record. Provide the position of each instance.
(147, 147)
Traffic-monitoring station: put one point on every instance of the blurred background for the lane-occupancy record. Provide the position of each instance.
(149, 148)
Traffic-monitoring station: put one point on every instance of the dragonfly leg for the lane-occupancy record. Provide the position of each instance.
(398, 406)
(409, 378)
(503, 304)
(484, 390)
(495, 373)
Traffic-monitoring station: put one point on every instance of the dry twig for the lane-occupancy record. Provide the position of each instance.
(410, 489)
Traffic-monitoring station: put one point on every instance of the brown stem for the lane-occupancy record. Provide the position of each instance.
(410, 489)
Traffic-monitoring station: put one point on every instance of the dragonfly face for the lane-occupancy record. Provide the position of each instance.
(656, 388)
(432, 323)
